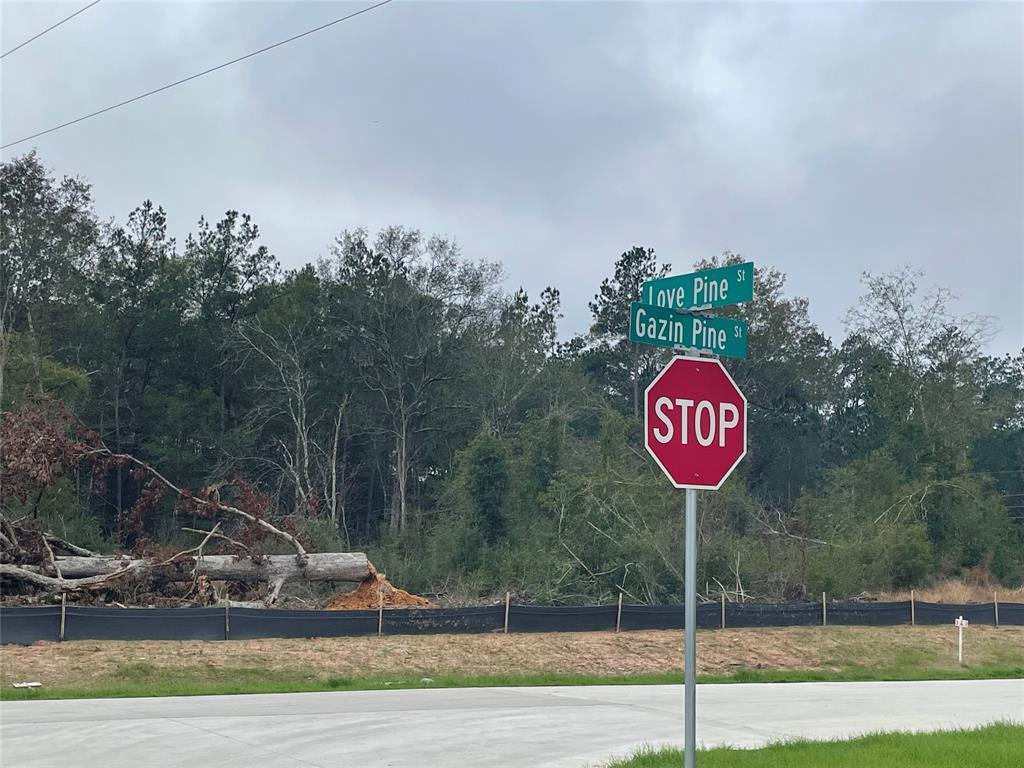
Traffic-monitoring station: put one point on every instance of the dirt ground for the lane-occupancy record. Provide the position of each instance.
(371, 591)
(80, 663)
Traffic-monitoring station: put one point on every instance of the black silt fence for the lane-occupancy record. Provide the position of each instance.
(535, 618)
(946, 613)
(868, 614)
(25, 625)
(144, 623)
(773, 614)
(709, 616)
(1011, 613)
(437, 621)
(253, 623)
(652, 617)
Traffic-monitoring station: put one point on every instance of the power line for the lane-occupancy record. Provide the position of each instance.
(195, 76)
(48, 29)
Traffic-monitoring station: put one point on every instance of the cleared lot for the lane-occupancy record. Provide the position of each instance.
(154, 667)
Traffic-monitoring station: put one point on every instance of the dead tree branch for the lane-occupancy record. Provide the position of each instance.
(300, 551)
(217, 535)
(67, 546)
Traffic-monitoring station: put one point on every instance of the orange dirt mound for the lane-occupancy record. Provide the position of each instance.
(368, 595)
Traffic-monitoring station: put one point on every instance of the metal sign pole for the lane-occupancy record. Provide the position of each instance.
(690, 595)
(678, 303)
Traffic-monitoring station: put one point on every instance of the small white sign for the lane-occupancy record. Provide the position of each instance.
(960, 623)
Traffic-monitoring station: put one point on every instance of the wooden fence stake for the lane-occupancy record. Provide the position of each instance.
(64, 608)
(618, 615)
(824, 611)
(380, 610)
(723, 609)
(912, 617)
(508, 599)
(995, 605)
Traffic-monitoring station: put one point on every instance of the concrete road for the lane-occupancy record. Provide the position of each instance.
(466, 728)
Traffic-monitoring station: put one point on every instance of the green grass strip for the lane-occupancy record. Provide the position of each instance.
(994, 746)
(143, 679)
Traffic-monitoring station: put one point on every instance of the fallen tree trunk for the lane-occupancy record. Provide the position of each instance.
(48, 442)
(273, 569)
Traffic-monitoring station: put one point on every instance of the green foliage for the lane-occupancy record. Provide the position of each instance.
(485, 479)
(59, 510)
(394, 398)
(28, 372)
(624, 368)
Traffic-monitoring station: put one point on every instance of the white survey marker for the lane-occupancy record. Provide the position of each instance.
(960, 622)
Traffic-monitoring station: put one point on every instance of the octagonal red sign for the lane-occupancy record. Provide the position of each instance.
(695, 422)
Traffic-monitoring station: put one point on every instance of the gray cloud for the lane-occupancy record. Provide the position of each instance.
(822, 139)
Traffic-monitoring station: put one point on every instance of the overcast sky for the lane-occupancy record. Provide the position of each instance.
(823, 139)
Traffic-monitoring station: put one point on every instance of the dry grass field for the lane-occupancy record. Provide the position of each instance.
(960, 591)
(898, 652)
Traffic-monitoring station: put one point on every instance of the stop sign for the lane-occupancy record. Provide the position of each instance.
(695, 422)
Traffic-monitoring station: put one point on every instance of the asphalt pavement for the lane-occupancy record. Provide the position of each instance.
(563, 727)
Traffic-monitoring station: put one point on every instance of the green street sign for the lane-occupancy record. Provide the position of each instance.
(702, 290)
(662, 327)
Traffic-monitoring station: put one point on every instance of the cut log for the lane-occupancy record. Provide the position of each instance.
(326, 566)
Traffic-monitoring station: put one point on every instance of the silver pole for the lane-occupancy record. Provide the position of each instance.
(690, 669)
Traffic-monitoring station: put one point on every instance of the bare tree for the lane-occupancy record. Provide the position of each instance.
(315, 443)
(891, 309)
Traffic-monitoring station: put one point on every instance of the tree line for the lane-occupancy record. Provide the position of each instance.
(394, 398)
